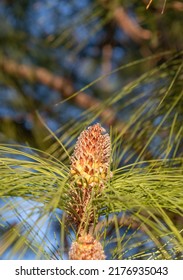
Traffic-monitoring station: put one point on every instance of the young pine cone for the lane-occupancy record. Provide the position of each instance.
(91, 158)
(86, 248)
(90, 165)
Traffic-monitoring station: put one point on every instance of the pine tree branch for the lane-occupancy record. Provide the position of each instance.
(66, 89)
(130, 27)
(62, 85)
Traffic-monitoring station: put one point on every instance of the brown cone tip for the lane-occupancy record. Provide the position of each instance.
(86, 248)
(91, 157)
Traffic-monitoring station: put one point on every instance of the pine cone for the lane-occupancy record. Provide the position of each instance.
(91, 157)
(89, 173)
(86, 248)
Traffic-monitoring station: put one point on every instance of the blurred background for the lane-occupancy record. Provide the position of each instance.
(85, 61)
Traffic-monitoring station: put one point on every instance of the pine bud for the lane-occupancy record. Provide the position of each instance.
(89, 172)
(91, 158)
(86, 248)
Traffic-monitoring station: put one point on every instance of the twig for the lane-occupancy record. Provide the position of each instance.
(61, 84)
(125, 22)
(66, 89)
(130, 27)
